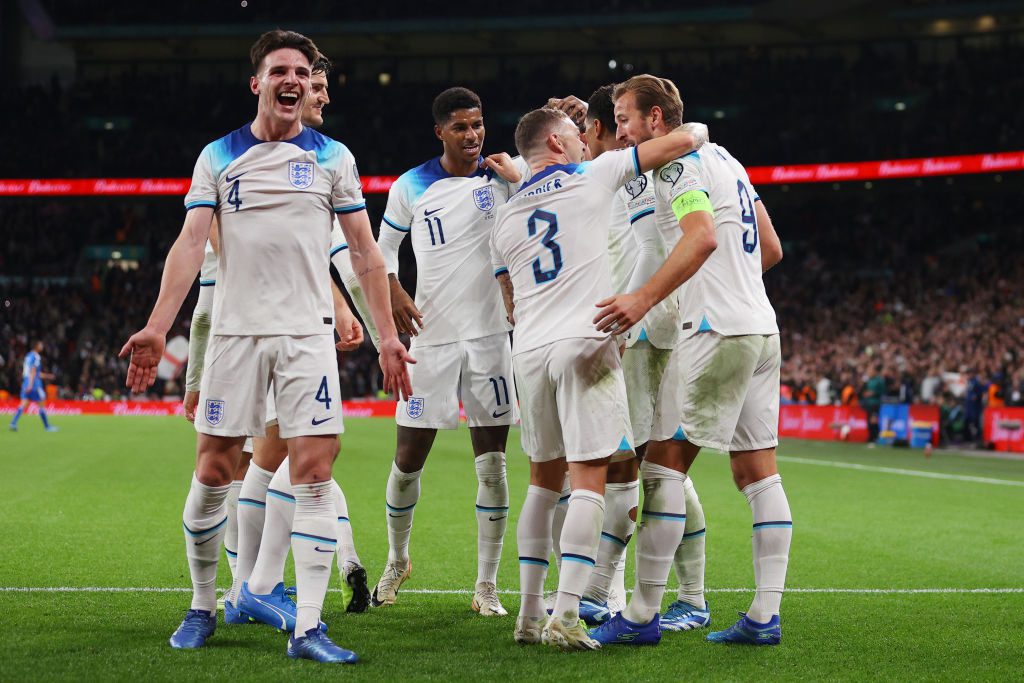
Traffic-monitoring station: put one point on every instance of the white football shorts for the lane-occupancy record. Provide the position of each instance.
(572, 396)
(643, 366)
(726, 393)
(238, 375)
(478, 372)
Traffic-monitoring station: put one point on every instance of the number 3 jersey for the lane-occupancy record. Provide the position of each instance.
(552, 238)
(275, 203)
(449, 219)
(727, 294)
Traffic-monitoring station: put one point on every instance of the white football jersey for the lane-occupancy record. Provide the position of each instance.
(552, 239)
(727, 294)
(275, 202)
(637, 259)
(343, 263)
(450, 220)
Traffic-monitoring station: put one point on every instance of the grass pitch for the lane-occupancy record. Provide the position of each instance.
(901, 568)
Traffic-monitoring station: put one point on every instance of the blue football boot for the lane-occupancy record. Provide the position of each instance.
(619, 631)
(748, 632)
(594, 613)
(233, 615)
(682, 616)
(317, 646)
(196, 627)
(274, 609)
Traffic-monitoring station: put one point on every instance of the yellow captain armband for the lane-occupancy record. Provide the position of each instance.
(688, 202)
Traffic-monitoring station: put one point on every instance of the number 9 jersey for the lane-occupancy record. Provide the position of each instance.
(726, 295)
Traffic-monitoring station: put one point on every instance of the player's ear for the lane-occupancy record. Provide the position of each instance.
(254, 85)
(437, 132)
(657, 116)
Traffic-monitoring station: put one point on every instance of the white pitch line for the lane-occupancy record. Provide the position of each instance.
(894, 470)
(439, 591)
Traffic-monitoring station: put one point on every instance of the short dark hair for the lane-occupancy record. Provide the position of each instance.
(651, 91)
(322, 65)
(600, 107)
(451, 100)
(278, 39)
(535, 126)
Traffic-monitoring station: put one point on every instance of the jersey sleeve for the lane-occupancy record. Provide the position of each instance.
(203, 191)
(678, 177)
(497, 260)
(347, 193)
(650, 247)
(395, 225)
(614, 169)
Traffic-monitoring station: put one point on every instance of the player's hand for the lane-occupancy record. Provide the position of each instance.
(698, 131)
(189, 404)
(574, 108)
(620, 312)
(145, 349)
(408, 318)
(502, 165)
(350, 331)
(394, 360)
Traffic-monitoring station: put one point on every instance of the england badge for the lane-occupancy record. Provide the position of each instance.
(300, 174)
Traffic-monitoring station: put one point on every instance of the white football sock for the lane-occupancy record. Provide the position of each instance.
(689, 559)
(400, 499)
(533, 538)
(231, 533)
(252, 509)
(277, 528)
(205, 519)
(657, 538)
(773, 532)
(346, 543)
(580, 537)
(558, 521)
(620, 500)
(314, 543)
(491, 514)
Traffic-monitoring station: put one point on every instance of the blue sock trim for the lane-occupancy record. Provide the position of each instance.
(196, 533)
(280, 495)
(392, 508)
(695, 534)
(533, 560)
(613, 539)
(665, 515)
(582, 559)
(252, 502)
(484, 508)
(344, 519)
(231, 553)
(774, 525)
(316, 539)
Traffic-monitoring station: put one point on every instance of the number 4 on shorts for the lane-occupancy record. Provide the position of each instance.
(322, 394)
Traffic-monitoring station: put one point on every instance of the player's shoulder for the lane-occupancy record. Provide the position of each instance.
(329, 152)
(227, 148)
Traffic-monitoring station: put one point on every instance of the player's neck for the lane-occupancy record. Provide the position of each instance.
(459, 167)
(550, 159)
(269, 130)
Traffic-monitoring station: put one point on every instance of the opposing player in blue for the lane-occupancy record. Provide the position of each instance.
(274, 186)
(32, 387)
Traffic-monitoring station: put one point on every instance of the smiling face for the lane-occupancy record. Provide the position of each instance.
(462, 134)
(312, 113)
(282, 85)
(633, 126)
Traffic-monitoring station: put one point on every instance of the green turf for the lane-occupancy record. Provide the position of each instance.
(99, 505)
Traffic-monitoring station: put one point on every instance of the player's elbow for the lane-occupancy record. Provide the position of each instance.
(707, 242)
(771, 255)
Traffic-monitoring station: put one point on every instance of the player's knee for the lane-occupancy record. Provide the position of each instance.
(215, 470)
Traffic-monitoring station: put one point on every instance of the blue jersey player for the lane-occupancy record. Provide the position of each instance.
(32, 387)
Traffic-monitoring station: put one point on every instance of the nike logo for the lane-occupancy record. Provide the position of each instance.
(431, 213)
(207, 540)
(496, 414)
(231, 179)
(321, 550)
(495, 519)
(320, 422)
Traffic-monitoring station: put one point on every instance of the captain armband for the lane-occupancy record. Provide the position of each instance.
(688, 202)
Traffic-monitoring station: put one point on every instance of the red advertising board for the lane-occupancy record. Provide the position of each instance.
(350, 408)
(823, 423)
(1000, 162)
(1004, 429)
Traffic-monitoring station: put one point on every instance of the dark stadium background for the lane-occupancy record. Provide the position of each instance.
(894, 279)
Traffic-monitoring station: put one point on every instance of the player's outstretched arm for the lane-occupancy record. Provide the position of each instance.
(349, 330)
(368, 263)
(146, 346)
(771, 245)
(659, 151)
(698, 242)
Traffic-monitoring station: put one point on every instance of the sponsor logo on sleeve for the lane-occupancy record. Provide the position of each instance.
(636, 186)
(671, 173)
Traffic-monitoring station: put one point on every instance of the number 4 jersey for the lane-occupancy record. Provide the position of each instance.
(727, 294)
(552, 239)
